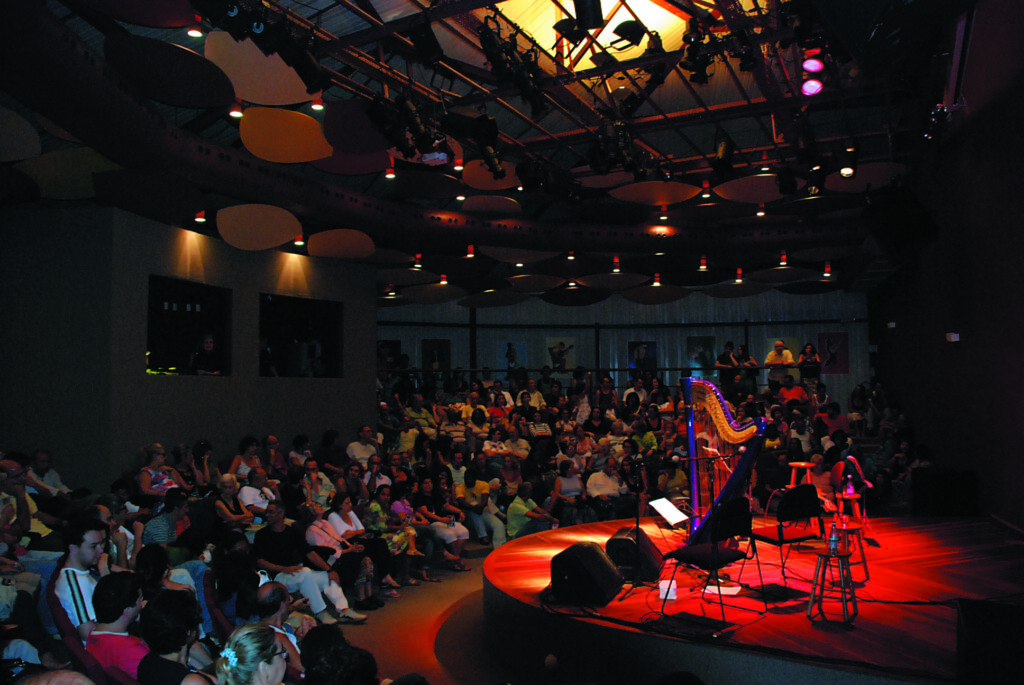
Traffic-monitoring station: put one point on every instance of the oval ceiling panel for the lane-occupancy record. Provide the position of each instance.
(158, 15)
(433, 293)
(284, 136)
(744, 289)
(782, 274)
(612, 281)
(512, 255)
(612, 180)
(475, 174)
(425, 184)
(342, 243)
(650, 294)
(574, 297)
(655, 193)
(349, 128)
(534, 283)
(405, 277)
(353, 164)
(504, 297)
(161, 196)
(758, 189)
(66, 174)
(169, 73)
(258, 78)
(870, 176)
(492, 204)
(257, 227)
(18, 138)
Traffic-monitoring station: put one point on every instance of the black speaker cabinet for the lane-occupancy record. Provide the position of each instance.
(626, 552)
(584, 575)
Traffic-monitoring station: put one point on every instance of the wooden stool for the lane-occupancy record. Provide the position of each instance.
(847, 530)
(794, 470)
(847, 596)
(853, 499)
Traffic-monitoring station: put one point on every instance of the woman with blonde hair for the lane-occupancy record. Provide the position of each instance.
(252, 656)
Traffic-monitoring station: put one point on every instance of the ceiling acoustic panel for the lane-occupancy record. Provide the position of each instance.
(283, 136)
(169, 73)
(870, 176)
(758, 189)
(66, 174)
(353, 164)
(505, 297)
(476, 175)
(494, 205)
(535, 283)
(258, 78)
(613, 281)
(655, 193)
(652, 294)
(433, 293)
(18, 138)
(159, 195)
(574, 297)
(158, 15)
(350, 130)
(257, 227)
(341, 243)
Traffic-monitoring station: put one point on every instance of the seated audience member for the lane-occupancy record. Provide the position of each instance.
(347, 525)
(195, 474)
(77, 579)
(445, 521)
(19, 514)
(347, 559)
(117, 601)
(281, 550)
(473, 496)
(329, 659)
(248, 457)
(525, 517)
(170, 626)
(274, 606)
(258, 493)
(607, 493)
(231, 513)
(163, 528)
(790, 392)
(43, 479)
(400, 538)
(157, 476)
(19, 612)
(253, 655)
(364, 446)
(567, 498)
(273, 458)
(317, 485)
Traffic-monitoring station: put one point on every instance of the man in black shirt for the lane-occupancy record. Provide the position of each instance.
(281, 551)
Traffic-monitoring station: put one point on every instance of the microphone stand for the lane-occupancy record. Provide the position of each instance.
(639, 464)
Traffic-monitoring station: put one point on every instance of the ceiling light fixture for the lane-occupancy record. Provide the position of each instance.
(460, 198)
(236, 109)
(571, 256)
(300, 240)
(707, 189)
(703, 263)
(739, 275)
(657, 281)
(828, 270)
(418, 264)
(200, 217)
(469, 252)
(848, 161)
(196, 29)
(760, 210)
(389, 172)
(317, 104)
(444, 280)
(664, 215)
(615, 265)
(458, 164)
(519, 265)
(782, 259)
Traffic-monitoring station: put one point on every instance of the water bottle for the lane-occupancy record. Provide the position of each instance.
(849, 485)
(833, 541)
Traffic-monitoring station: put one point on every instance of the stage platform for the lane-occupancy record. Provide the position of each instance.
(926, 575)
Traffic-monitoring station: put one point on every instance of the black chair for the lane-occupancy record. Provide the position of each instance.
(727, 521)
(798, 508)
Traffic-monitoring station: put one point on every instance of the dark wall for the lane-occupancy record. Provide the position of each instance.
(72, 360)
(965, 398)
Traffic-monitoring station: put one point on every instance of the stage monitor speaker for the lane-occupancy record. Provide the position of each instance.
(987, 635)
(584, 575)
(626, 553)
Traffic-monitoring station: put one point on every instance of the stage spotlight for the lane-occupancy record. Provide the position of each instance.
(567, 29)
(630, 32)
(811, 86)
(816, 179)
(848, 161)
(813, 60)
(589, 14)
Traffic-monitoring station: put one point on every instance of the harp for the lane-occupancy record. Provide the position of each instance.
(722, 452)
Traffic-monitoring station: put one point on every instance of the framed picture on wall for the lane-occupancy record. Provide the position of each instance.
(561, 354)
(834, 350)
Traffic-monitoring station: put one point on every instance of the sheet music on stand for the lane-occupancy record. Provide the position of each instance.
(669, 511)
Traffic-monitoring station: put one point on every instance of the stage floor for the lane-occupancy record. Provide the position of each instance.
(906, 628)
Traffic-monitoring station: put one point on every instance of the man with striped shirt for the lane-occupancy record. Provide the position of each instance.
(77, 580)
